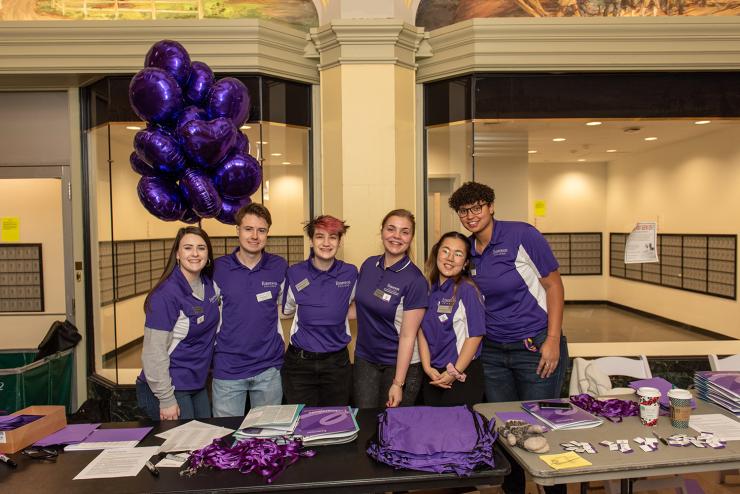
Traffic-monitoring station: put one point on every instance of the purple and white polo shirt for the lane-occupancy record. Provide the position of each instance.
(452, 317)
(320, 300)
(382, 297)
(251, 339)
(508, 273)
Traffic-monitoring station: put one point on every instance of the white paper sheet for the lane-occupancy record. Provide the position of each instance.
(641, 243)
(173, 460)
(101, 445)
(722, 426)
(193, 438)
(270, 416)
(111, 463)
(193, 424)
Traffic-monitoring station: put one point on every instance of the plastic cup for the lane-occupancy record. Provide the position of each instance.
(649, 405)
(680, 400)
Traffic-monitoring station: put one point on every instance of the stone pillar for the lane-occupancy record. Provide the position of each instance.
(368, 125)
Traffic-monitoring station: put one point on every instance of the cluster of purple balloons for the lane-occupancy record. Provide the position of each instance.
(193, 160)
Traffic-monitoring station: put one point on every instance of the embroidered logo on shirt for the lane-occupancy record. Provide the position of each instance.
(500, 252)
(214, 299)
(393, 290)
(261, 297)
(197, 309)
(344, 284)
(270, 284)
(302, 284)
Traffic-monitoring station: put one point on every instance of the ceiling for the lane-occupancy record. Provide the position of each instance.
(587, 143)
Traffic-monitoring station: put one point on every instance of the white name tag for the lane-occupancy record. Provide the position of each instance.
(442, 317)
(303, 284)
(473, 272)
(200, 320)
(2, 438)
(261, 297)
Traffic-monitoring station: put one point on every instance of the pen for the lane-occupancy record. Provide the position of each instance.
(8, 461)
(152, 469)
(661, 439)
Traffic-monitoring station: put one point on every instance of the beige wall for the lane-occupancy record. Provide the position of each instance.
(501, 161)
(575, 199)
(688, 187)
(37, 203)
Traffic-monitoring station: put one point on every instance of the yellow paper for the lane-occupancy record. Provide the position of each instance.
(11, 229)
(540, 208)
(565, 460)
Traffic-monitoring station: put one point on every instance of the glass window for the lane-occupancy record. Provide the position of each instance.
(129, 247)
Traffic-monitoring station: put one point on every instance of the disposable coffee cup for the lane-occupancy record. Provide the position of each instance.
(680, 400)
(649, 405)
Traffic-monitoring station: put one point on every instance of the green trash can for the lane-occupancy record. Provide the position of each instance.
(24, 382)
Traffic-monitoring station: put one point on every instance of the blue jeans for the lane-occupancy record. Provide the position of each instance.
(193, 404)
(510, 371)
(230, 396)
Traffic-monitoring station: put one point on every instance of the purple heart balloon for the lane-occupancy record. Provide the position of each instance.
(161, 198)
(170, 56)
(160, 150)
(240, 175)
(201, 193)
(229, 208)
(207, 143)
(200, 81)
(229, 98)
(190, 113)
(140, 166)
(154, 95)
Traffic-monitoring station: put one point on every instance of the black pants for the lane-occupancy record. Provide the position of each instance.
(469, 392)
(317, 379)
(372, 382)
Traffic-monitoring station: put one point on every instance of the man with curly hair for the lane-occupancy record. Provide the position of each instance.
(525, 354)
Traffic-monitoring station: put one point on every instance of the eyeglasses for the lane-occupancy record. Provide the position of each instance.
(43, 454)
(476, 209)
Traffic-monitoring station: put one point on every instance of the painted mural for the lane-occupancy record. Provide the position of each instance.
(298, 13)
(433, 14)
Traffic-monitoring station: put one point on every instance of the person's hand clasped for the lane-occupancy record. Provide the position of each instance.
(445, 381)
(395, 394)
(170, 413)
(550, 355)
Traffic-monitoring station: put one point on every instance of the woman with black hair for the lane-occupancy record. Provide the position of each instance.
(182, 318)
(452, 328)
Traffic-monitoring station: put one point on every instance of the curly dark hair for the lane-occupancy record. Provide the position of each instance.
(471, 193)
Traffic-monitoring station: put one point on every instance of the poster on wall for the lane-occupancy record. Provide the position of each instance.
(642, 243)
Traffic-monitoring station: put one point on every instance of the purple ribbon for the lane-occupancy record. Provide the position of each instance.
(266, 457)
(612, 409)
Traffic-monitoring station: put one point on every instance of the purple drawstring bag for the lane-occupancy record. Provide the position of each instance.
(436, 439)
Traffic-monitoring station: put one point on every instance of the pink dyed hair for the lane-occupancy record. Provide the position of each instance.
(326, 222)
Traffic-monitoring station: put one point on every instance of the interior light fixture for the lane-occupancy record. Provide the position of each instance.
(285, 163)
(651, 138)
(593, 124)
(702, 122)
(611, 150)
(133, 127)
(276, 154)
(532, 151)
(558, 139)
(581, 159)
(261, 142)
(245, 127)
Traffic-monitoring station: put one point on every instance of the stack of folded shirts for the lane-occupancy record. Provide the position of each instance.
(720, 387)
(434, 439)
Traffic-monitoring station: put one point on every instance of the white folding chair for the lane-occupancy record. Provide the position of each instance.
(731, 363)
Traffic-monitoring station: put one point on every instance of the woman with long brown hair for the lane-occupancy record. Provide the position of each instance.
(182, 318)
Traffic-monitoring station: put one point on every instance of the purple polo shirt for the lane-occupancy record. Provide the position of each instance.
(382, 296)
(507, 273)
(251, 339)
(320, 300)
(193, 321)
(452, 317)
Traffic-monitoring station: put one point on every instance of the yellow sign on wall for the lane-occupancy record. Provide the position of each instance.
(540, 208)
(11, 229)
